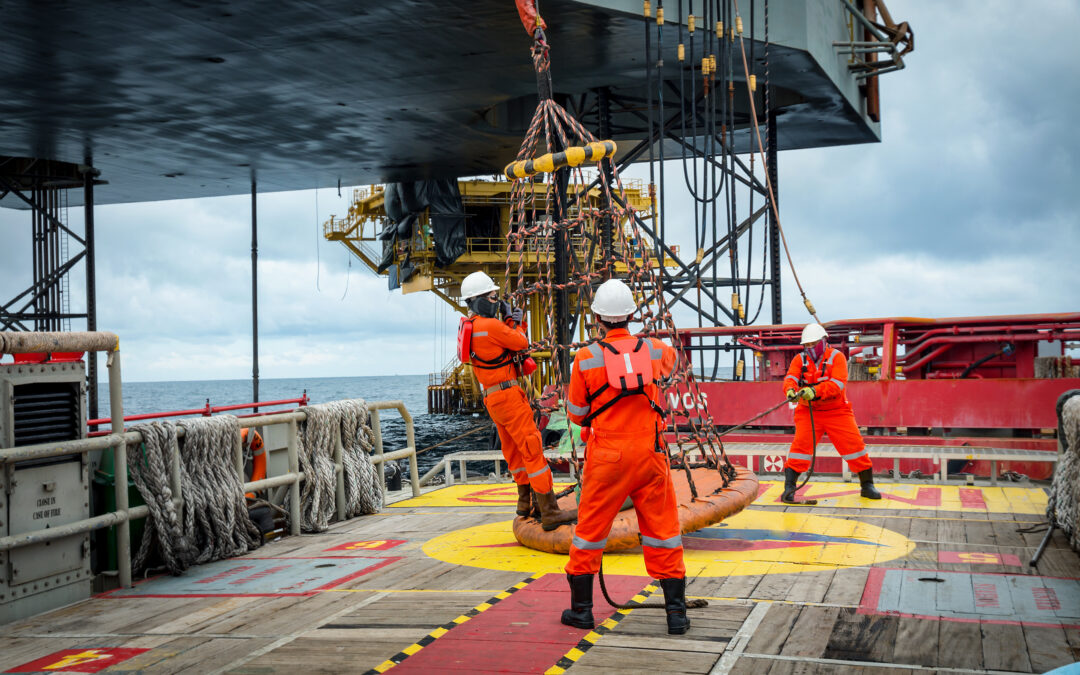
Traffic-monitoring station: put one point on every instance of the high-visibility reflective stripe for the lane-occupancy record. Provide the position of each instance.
(587, 545)
(540, 472)
(792, 377)
(480, 333)
(595, 359)
(829, 362)
(798, 455)
(654, 352)
(856, 455)
(517, 470)
(838, 382)
(577, 409)
(673, 542)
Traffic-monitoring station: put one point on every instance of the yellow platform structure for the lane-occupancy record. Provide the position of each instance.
(455, 388)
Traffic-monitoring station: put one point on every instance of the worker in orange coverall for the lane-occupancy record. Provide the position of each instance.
(493, 347)
(626, 455)
(817, 378)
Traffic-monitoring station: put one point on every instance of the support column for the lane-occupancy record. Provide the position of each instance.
(254, 298)
(774, 226)
(91, 287)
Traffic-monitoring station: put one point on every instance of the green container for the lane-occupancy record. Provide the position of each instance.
(104, 484)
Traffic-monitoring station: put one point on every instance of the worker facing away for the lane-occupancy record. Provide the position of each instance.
(494, 353)
(816, 380)
(614, 394)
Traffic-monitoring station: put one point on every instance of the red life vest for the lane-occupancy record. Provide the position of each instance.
(629, 369)
(526, 366)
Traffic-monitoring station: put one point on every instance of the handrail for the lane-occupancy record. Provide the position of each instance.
(122, 514)
(205, 411)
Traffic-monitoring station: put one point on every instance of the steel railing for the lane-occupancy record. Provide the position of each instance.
(122, 516)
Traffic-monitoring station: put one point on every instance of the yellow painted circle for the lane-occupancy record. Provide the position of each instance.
(752, 542)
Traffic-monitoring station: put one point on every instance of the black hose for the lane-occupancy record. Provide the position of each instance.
(813, 453)
(690, 604)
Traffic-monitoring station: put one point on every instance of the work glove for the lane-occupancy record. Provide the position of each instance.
(504, 309)
(792, 394)
(807, 393)
(517, 314)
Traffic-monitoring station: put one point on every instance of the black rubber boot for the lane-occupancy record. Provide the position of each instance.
(866, 478)
(524, 502)
(791, 477)
(675, 604)
(580, 613)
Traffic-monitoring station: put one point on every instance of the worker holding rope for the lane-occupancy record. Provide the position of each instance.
(614, 394)
(817, 379)
(495, 353)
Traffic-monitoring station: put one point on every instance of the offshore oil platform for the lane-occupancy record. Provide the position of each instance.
(495, 142)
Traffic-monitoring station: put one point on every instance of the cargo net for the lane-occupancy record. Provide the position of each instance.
(601, 239)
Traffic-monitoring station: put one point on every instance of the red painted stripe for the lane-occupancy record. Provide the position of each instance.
(972, 498)
(521, 634)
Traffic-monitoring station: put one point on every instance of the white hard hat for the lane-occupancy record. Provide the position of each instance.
(476, 284)
(613, 301)
(812, 333)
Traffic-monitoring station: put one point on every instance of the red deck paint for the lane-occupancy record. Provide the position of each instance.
(971, 498)
(521, 634)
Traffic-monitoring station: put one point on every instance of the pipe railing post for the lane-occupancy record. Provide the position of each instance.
(120, 474)
(339, 472)
(410, 441)
(294, 488)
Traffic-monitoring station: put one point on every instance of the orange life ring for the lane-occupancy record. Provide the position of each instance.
(694, 514)
(258, 458)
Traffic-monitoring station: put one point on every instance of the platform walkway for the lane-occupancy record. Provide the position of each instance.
(920, 582)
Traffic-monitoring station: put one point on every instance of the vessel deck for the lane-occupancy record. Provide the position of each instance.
(932, 577)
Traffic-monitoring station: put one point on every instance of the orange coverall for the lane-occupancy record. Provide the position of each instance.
(832, 412)
(622, 460)
(522, 447)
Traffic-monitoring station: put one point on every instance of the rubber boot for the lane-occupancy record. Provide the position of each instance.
(580, 613)
(551, 516)
(791, 477)
(866, 478)
(524, 502)
(675, 604)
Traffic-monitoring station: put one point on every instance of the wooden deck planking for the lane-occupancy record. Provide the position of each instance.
(811, 624)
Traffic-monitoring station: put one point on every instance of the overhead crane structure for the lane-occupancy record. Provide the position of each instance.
(107, 104)
(711, 125)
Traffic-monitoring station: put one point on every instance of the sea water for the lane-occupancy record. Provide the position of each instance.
(153, 397)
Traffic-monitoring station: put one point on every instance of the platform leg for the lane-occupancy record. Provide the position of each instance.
(896, 468)
(449, 474)
(461, 470)
(993, 472)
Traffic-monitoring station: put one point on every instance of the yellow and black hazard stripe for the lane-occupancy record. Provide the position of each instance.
(606, 626)
(574, 156)
(447, 627)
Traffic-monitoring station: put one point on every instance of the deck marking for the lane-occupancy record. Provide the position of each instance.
(978, 558)
(915, 497)
(266, 577)
(753, 542)
(446, 627)
(79, 660)
(281, 642)
(603, 628)
(374, 545)
(502, 494)
(1011, 599)
(738, 643)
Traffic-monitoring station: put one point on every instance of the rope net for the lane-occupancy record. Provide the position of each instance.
(600, 237)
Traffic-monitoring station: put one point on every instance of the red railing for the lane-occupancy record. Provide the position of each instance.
(205, 411)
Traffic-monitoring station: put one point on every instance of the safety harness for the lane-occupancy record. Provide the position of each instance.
(628, 371)
(467, 355)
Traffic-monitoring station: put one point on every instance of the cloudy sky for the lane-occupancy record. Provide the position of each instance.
(969, 206)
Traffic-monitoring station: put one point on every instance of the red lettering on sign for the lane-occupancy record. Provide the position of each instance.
(260, 575)
(375, 545)
(226, 574)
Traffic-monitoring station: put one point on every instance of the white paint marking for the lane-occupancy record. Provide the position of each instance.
(873, 664)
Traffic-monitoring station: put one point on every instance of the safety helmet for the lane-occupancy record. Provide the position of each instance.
(613, 301)
(812, 333)
(476, 284)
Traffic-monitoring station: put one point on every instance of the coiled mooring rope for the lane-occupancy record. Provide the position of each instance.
(326, 423)
(215, 521)
(1063, 504)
